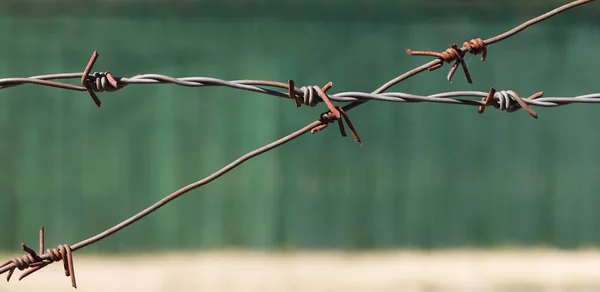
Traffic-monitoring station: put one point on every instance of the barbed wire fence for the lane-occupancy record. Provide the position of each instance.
(92, 83)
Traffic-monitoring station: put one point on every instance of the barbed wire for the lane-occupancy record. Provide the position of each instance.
(103, 82)
(505, 100)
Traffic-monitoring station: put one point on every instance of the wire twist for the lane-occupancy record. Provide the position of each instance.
(509, 101)
(102, 82)
(454, 54)
(98, 81)
(311, 95)
(476, 47)
(32, 262)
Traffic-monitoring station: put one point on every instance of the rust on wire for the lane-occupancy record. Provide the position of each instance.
(85, 78)
(522, 104)
(335, 113)
(474, 47)
(505, 100)
(292, 92)
(32, 261)
(487, 100)
(350, 125)
(99, 81)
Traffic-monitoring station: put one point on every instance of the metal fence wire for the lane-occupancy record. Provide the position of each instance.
(92, 83)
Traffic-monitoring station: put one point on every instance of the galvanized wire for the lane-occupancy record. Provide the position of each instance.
(301, 93)
(310, 95)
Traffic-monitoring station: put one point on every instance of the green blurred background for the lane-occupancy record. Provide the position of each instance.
(426, 176)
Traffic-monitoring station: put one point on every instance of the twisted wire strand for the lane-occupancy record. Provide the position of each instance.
(98, 82)
(504, 100)
(306, 95)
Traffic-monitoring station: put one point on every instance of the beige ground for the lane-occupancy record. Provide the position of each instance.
(539, 270)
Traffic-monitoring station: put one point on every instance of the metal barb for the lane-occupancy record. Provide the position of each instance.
(334, 114)
(456, 55)
(487, 100)
(33, 262)
(85, 78)
(292, 92)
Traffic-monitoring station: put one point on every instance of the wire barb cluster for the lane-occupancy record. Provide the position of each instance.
(33, 262)
(92, 83)
(474, 46)
(504, 99)
(335, 113)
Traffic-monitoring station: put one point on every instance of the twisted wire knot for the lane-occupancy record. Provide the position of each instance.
(32, 262)
(476, 47)
(102, 82)
(449, 55)
(311, 95)
(58, 254)
(24, 262)
(505, 100)
(455, 54)
(98, 81)
(509, 101)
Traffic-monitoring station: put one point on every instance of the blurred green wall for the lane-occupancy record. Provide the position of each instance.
(425, 176)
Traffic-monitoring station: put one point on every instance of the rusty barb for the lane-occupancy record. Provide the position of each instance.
(98, 82)
(335, 113)
(455, 54)
(92, 83)
(32, 261)
(504, 99)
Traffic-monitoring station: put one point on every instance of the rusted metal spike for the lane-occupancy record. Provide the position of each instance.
(9, 274)
(487, 100)
(341, 126)
(484, 52)
(327, 86)
(95, 98)
(352, 129)
(536, 95)
(452, 71)
(462, 63)
(85, 76)
(523, 104)
(292, 92)
(30, 271)
(88, 67)
(424, 53)
(63, 254)
(41, 250)
(327, 101)
(30, 251)
(71, 266)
